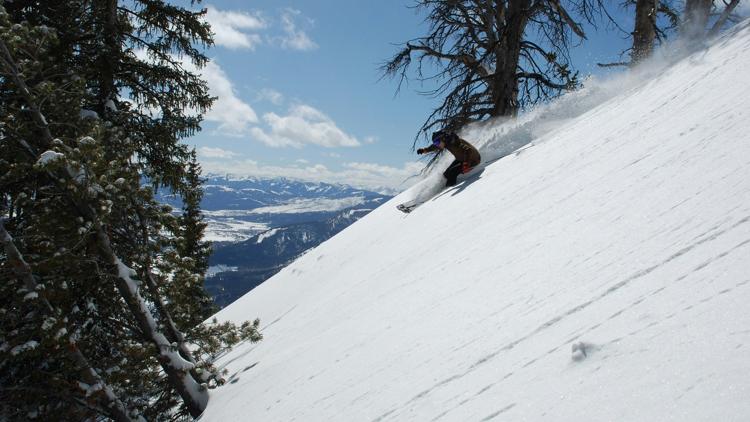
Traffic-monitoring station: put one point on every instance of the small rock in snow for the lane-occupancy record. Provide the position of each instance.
(580, 351)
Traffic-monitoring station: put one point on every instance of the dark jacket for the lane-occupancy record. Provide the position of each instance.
(462, 150)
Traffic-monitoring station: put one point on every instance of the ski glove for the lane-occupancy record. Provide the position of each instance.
(421, 151)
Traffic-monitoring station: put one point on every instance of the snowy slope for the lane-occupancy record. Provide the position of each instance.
(625, 232)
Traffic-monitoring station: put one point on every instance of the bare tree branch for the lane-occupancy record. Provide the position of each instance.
(477, 53)
(566, 17)
(725, 14)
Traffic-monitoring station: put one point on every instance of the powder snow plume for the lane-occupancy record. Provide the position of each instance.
(502, 136)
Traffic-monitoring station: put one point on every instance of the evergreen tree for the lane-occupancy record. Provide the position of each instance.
(94, 335)
(192, 305)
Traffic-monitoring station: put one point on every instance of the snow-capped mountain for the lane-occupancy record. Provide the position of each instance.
(228, 193)
(239, 267)
(237, 209)
(601, 273)
(258, 226)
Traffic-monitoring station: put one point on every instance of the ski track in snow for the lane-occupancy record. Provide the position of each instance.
(599, 274)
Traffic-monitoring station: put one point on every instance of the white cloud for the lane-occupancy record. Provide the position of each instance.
(270, 95)
(235, 29)
(371, 167)
(365, 175)
(302, 125)
(232, 28)
(372, 174)
(231, 113)
(295, 38)
(209, 152)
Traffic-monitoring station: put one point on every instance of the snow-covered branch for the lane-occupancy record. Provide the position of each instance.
(103, 392)
(176, 368)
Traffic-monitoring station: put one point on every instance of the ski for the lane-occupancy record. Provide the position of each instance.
(406, 208)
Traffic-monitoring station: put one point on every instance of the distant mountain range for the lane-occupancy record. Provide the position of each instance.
(240, 267)
(258, 226)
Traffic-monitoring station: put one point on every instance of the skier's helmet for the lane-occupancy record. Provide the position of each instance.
(439, 136)
(442, 136)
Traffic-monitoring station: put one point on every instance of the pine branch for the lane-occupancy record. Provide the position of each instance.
(174, 335)
(194, 397)
(88, 374)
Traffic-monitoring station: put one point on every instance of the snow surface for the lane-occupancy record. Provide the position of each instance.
(216, 269)
(600, 274)
(265, 235)
(221, 229)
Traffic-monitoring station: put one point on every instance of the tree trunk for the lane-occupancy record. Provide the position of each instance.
(695, 18)
(644, 32)
(176, 368)
(505, 79)
(108, 55)
(174, 335)
(723, 18)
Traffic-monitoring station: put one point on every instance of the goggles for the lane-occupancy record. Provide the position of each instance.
(436, 138)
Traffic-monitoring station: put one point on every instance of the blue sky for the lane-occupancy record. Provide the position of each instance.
(300, 93)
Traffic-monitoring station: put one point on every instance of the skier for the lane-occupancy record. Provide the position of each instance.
(467, 157)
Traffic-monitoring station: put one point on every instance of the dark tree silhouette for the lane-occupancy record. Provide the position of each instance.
(491, 57)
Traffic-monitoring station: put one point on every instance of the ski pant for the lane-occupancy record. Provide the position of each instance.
(457, 167)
